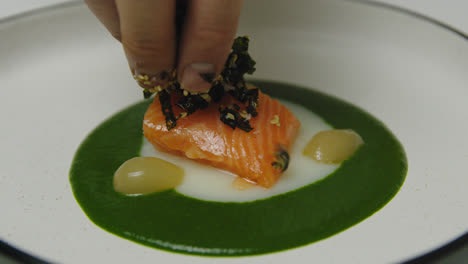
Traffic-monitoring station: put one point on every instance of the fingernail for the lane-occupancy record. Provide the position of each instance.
(197, 77)
(151, 81)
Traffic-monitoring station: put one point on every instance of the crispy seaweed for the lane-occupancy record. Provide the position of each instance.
(192, 103)
(147, 94)
(166, 107)
(231, 117)
(228, 116)
(244, 124)
(243, 94)
(252, 104)
(239, 62)
(216, 92)
(231, 79)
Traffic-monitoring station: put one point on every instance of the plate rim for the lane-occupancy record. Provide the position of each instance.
(14, 253)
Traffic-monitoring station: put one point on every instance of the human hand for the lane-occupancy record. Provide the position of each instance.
(147, 31)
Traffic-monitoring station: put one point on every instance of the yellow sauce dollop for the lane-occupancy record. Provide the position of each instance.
(333, 146)
(142, 175)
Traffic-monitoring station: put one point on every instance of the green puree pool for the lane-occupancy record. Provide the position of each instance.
(168, 220)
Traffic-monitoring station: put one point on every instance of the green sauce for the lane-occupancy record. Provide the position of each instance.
(168, 220)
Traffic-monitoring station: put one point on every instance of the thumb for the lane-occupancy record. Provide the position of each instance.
(148, 36)
(206, 40)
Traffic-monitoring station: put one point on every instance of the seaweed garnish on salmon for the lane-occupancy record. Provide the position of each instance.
(192, 102)
(231, 81)
(166, 107)
(234, 126)
(231, 117)
(216, 92)
(204, 138)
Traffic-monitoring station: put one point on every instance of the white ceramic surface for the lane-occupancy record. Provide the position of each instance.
(451, 12)
(61, 74)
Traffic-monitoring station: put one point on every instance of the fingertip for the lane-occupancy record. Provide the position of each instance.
(207, 38)
(148, 37)
(197, 77)
(106, 12)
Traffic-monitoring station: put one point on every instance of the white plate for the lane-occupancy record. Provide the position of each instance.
(61, 74)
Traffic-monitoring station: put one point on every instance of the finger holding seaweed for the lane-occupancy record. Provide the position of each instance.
(230, 82)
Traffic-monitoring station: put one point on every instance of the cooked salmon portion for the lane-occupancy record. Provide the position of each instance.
(203, 137)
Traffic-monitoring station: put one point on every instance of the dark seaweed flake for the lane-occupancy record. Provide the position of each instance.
(238, 63)
(229, 116)
(208, 77)
(252, 102)
(147, 94)
(251, 110)
(244, 124)
(166, 107)
(175, 86)
(241, 44)
(192, 103)
(216, 92)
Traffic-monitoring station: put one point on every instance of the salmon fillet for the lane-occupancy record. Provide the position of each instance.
(203, 137)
